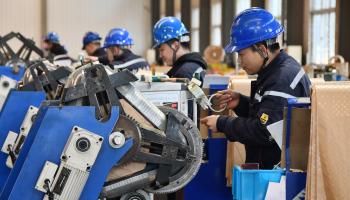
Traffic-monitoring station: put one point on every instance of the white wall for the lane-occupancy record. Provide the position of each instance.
(72, 18)
(21, 16)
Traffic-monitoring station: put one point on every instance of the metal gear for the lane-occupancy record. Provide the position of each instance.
(137, 195)
(193, 157)
(129, 128)
(179, 178)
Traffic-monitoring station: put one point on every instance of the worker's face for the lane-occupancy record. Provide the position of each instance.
(92, 47)
(112, 52)
(166, 53)
(47, 45)
(249, 60)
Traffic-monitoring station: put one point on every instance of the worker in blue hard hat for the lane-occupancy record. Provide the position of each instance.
(117, 44)
(51, 44)
(280, 77)
(172, 40)
(92, 44)
(55, 51)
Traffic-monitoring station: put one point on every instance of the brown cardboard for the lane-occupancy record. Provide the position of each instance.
(299, 138)
(315, 81)
(235, 156)
(328, 174)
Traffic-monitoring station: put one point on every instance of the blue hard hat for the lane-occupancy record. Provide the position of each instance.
(168, 28)
(52, 37)
(130, 41)
(90, 37)
(118, 37)
(251, 26)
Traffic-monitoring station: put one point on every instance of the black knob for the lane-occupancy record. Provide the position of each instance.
(83, 144)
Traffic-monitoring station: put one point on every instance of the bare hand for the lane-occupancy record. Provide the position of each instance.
(228, 97)
(210, 122)
(88, 59)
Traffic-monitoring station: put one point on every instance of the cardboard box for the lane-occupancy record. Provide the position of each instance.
(299, 138)
(235, 156)
(328, 167)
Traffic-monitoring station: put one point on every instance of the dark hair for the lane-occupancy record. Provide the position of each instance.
(271, 44)
(186, 45)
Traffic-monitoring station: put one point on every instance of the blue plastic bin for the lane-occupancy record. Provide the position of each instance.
(252, 184)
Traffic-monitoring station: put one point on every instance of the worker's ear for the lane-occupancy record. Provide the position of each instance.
(116, 51)
(49, 45)
(175, 44)
(263, 50)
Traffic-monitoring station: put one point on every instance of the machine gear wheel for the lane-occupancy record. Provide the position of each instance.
(193, 157)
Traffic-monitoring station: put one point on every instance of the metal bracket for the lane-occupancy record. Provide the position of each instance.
(9, 142)
(46, 176)
(44, 80)
(97, 90)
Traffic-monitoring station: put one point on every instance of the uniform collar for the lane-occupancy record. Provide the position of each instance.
(124, 55)
(188, 57)
(275, 63)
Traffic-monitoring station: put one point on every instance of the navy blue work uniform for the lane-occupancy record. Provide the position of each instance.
(187, 66)
(283, 78)
(100, 52)
(130, 61)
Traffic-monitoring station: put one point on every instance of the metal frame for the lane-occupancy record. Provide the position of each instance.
(25, 51)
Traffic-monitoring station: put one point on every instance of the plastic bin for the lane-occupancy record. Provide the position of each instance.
(252, 184)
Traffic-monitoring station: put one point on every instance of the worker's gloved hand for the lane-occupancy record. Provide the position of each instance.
(210, 122)
(227, 98)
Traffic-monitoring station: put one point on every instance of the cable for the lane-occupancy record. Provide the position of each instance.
(49, 193)
(212, 109)
(11, 154)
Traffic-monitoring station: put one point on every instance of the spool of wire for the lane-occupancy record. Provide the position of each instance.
(211, 105)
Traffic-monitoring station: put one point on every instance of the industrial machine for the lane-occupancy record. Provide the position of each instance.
(21, 57)
(174, 95)
(42, 75)
(101, 139)
(13, 63)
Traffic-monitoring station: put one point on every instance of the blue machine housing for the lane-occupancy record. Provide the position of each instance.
(11, 117)
(8, 71)
(46, 141)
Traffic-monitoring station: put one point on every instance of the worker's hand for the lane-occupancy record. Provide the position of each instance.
(210, 122)
(227, 97)
(88, 59)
